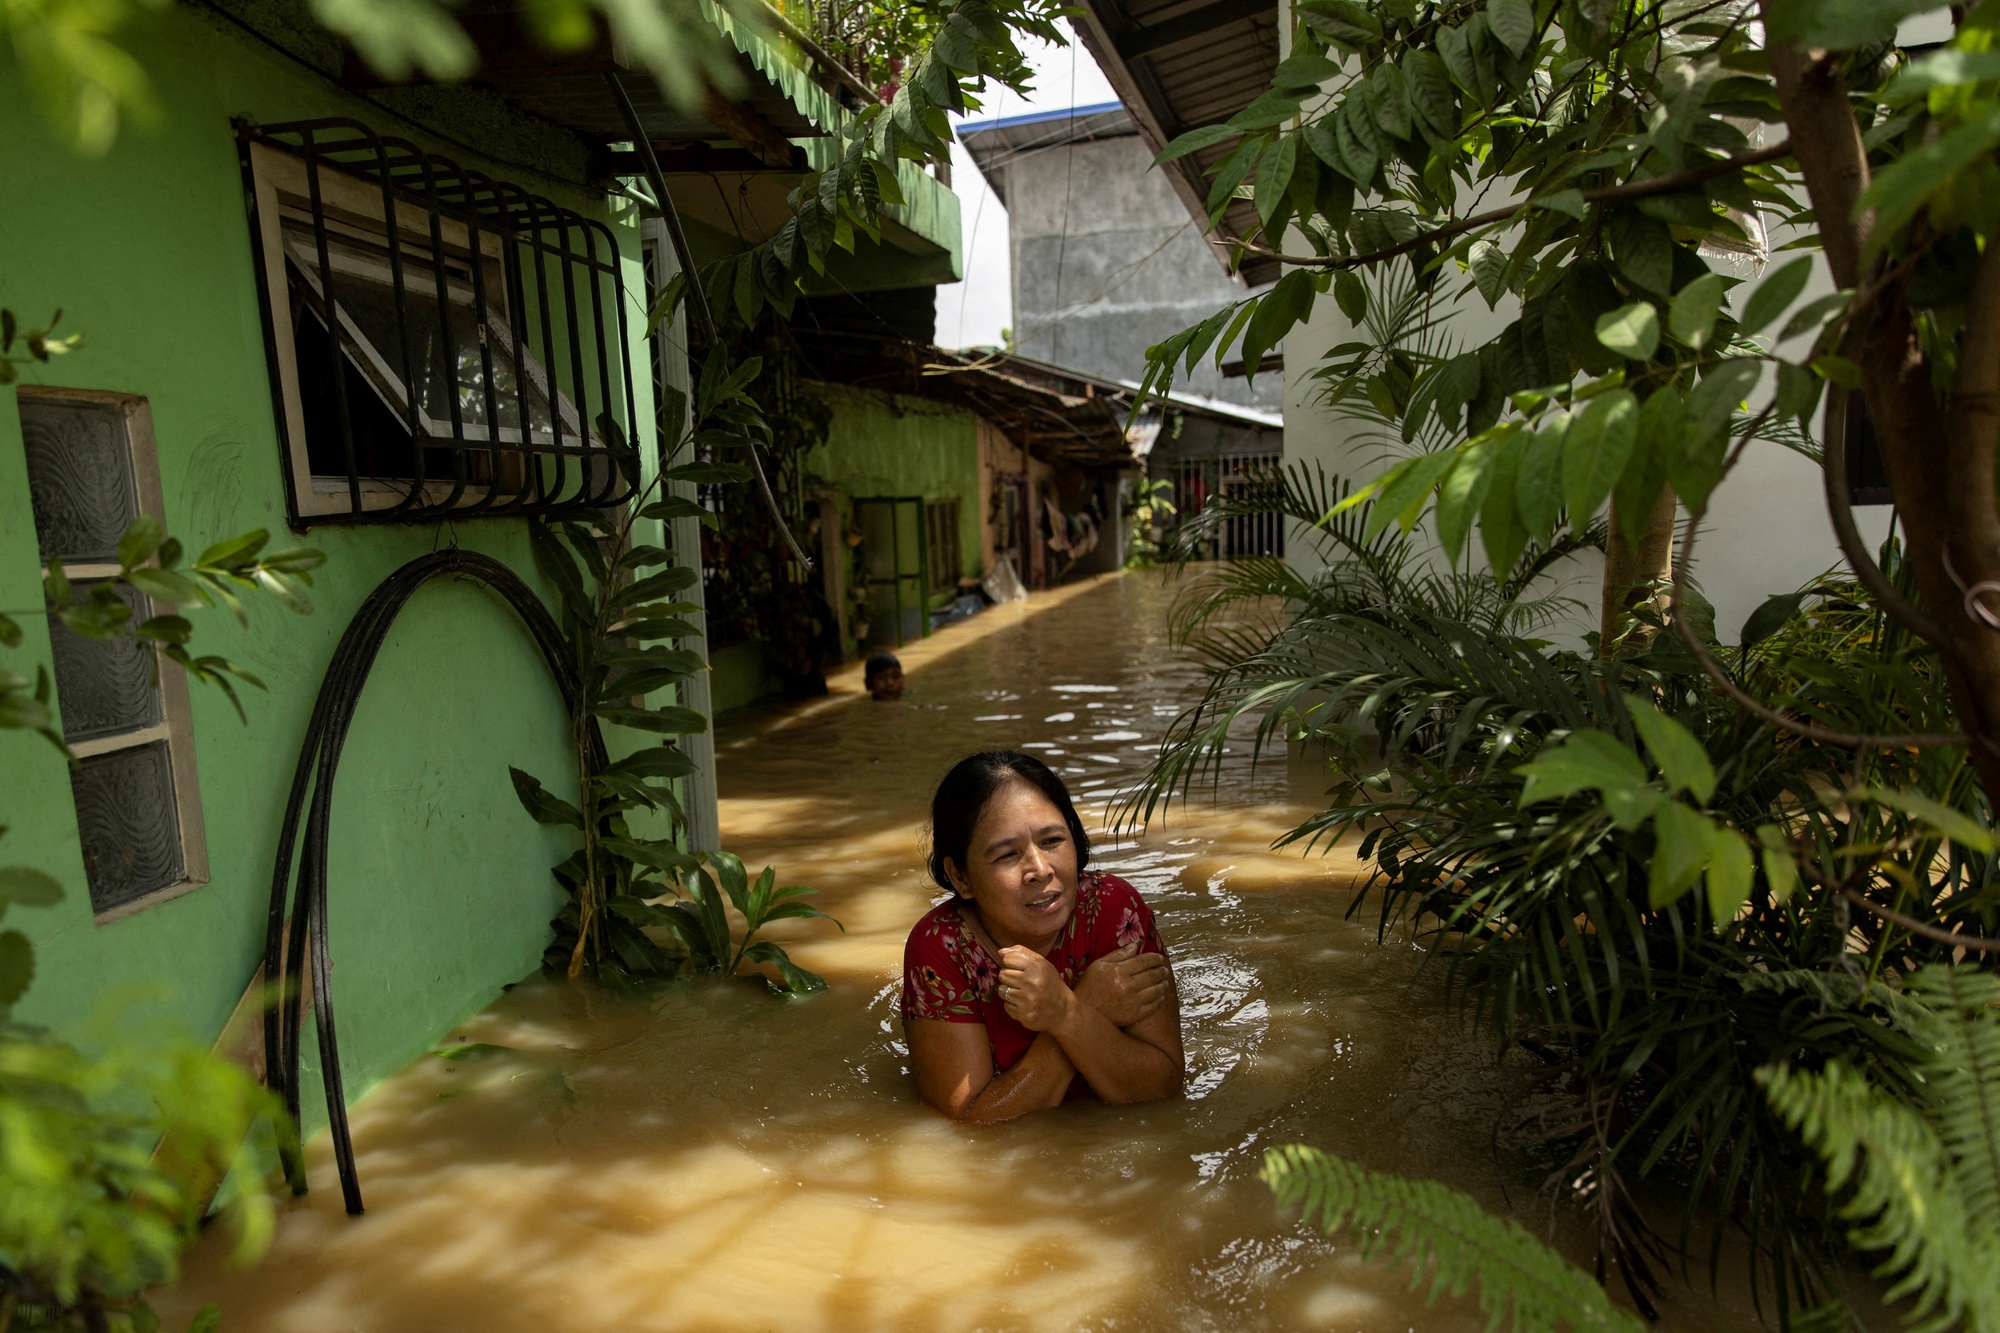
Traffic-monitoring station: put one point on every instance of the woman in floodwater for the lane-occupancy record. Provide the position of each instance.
(1038, 979)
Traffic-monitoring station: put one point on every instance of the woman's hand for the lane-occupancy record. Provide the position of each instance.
(1033, 991)
(1126, 986)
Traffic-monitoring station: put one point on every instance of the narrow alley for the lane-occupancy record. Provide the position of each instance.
(713, 1157)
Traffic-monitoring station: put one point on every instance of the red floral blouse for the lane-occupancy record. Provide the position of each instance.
(949, 974)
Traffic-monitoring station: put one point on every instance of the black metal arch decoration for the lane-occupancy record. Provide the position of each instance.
(291, 934)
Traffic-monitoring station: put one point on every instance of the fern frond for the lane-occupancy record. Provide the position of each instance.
(1448, 1239)
(1963, 1026)
(1903, 1200)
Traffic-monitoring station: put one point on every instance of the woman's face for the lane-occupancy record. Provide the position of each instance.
(1020, 867)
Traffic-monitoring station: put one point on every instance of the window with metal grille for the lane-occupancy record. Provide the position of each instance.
(442, 344)
(941, 543)
(1198, 481)
(91, 472)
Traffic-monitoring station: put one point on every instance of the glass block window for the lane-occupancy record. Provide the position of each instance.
(128, 820)
(79, 477)
(91, 472)
(107, 685)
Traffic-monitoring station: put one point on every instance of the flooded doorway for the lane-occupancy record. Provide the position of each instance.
(712, 1158)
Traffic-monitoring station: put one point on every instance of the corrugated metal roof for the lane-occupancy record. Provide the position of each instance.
(995, 143)
(1178, 65)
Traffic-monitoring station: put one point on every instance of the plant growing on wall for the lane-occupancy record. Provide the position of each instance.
(108, 1161)
(622, 619)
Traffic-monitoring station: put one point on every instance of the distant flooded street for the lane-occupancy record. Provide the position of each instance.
(717, 1159)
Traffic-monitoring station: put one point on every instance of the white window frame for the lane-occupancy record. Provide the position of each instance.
(352, 207)
(176, 725)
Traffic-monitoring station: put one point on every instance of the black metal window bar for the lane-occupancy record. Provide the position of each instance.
(442, 344)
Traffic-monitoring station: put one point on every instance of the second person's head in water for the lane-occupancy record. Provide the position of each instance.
(1006, 837)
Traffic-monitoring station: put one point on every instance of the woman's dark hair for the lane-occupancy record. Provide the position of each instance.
(964, 793)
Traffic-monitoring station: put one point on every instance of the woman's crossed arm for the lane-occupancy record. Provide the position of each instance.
(1120, 1028)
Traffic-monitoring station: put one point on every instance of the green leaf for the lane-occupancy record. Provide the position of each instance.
(1632, 331)
(1452, 1243)
(1512, 22)
(1570, 202)
(1813, 314)
(1538, 486)
(546, 807)
(1273, 180)
(1289, 301)
(1461, 491)
(1711, 407)
(1489, 271)
(1194, 141)
(1692, 313)
(1679, 756)
(1404, 491)
(1500, 525)
(1431, 94)
(1768, 619)
(797, 981)
(1581, 761)
(1681, 840)
(1839, 370)
(1955, 825)
(1798, 391)
(1907, 184)
(708, 474)
(1595, 452)
(140, 541)
(1781, 872)
(1729, 874)
(658, 855)
(656, 761)
(1775, 295)
(1390, 100)
(1943, 69)
(1351, 296)
(1643, 249)
(174, 589)
(668, 720)
(208, 1319)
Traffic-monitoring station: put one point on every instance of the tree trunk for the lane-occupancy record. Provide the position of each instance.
(1940, 457)
(1633, 573)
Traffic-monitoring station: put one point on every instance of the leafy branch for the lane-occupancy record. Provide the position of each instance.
(1449, 1242)
(624, 627)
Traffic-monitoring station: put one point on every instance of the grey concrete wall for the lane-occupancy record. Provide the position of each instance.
(1107, 262)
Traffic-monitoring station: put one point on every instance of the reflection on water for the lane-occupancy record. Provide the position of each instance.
(715, 1158)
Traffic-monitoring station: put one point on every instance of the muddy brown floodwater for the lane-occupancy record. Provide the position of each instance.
(716, 1158)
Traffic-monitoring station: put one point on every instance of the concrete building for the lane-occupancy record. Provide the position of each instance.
(1106, 258)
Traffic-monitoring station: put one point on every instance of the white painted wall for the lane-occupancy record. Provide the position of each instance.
(1767, 530)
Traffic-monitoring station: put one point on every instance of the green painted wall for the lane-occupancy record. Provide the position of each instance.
(888, 444)
(439, 888)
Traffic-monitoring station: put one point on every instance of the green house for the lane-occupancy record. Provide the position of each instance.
(389, 321)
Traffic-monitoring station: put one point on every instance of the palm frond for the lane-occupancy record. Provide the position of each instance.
(1921, 1184)
(1904, 1200)
(1450, 1242)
